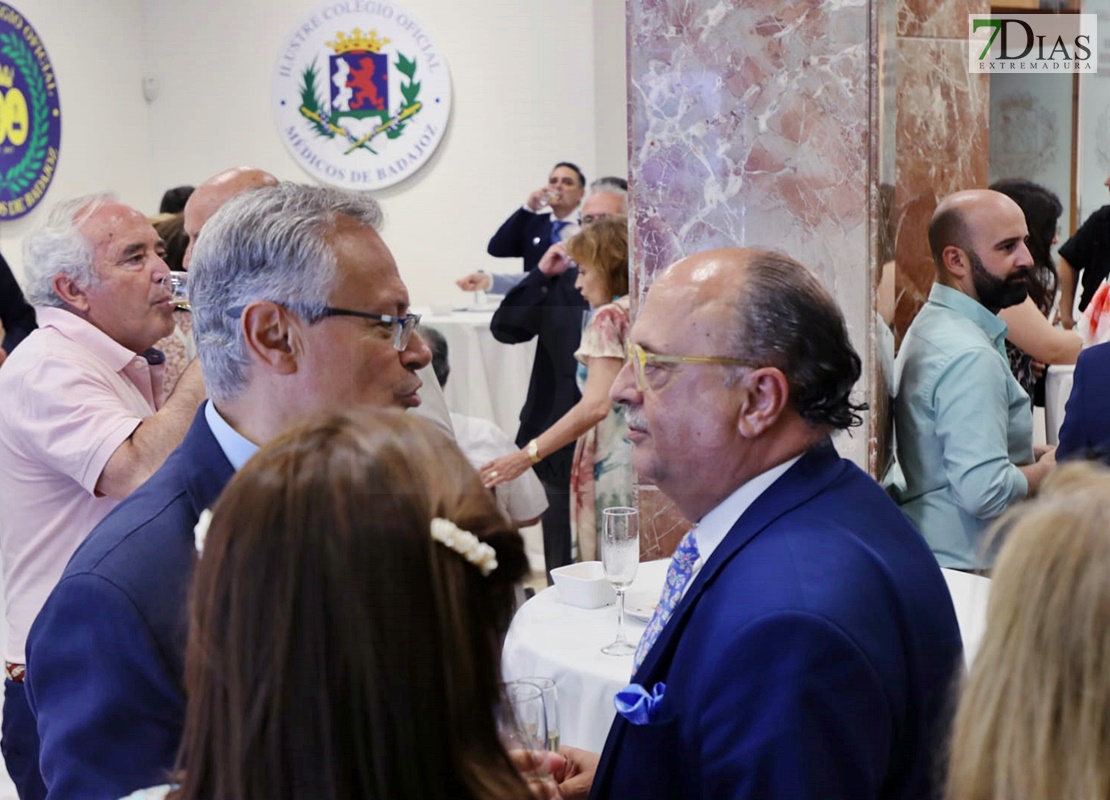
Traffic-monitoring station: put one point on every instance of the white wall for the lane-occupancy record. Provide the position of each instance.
(105, 126)
(524, 96)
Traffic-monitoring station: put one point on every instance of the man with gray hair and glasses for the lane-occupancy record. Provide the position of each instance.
(298, 307)
(83, 422)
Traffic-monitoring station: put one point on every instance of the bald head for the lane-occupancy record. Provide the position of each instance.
(780, 315)
(214, 192)
(962, 217)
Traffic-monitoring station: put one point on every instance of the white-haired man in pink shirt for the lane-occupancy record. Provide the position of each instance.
(82, 423)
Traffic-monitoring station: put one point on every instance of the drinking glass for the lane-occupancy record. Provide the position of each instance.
(620, 555)
(178, 284)
(523, 727)
(550, 707)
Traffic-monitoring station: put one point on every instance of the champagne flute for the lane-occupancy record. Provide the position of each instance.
(523, 727)
(550, 708)
(620, 555)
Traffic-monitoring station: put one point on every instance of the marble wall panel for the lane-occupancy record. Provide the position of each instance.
(937, 19)
(942, 144)
(751, 124)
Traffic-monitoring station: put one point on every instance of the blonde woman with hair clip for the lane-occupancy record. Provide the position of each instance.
(1033, 721)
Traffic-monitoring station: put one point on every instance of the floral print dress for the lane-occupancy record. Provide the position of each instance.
(601, 475)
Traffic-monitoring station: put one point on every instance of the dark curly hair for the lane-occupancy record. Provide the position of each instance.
(789, 320)
(1042, 209)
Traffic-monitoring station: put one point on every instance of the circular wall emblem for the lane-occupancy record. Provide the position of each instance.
(30, 116)
(361, 94)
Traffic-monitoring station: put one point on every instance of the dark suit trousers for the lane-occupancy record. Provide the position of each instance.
(554, 474)
(20, 743)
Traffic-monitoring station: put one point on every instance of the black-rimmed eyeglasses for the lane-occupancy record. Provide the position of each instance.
(402, 326)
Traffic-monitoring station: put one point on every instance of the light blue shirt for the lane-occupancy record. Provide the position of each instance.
(236, 447)
(962, 422)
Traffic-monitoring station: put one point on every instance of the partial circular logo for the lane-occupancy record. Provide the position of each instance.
(361, 94)
(30, 116)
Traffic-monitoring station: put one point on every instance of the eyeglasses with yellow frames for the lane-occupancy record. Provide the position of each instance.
(640, 358)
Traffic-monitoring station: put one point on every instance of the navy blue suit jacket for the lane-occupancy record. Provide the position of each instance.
(523, 235)
(105, 655)
(1086, 429)
(812, 657)
(552, 310)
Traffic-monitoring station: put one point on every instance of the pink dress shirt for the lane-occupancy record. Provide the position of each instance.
(69, 396)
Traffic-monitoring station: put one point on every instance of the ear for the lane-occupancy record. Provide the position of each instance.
(766, 394)
(70, 292)
(955, 261)
(272, 335)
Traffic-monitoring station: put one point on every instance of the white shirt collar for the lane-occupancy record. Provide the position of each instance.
(236, 447)
(718, 521)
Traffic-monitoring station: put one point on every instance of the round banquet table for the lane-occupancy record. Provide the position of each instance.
(552, 639)
(488, 379)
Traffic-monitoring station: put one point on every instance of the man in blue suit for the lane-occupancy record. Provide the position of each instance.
(805, 643)
(530, 230)
(1086, 429)
(297, 307)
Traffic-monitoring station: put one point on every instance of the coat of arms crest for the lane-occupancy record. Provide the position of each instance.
(358, 92)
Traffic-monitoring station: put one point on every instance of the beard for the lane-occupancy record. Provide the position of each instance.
(998, 293)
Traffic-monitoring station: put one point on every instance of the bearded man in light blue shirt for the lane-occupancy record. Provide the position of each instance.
(963, 424)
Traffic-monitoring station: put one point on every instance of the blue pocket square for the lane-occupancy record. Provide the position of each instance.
(635, 704)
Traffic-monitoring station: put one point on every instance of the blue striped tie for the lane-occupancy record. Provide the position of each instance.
(678, 575)
(557, 225)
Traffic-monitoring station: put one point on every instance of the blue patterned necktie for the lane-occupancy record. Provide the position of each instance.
(678, 575)
(557, 226)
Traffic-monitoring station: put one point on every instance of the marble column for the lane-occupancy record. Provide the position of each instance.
(759, 124)
(942, 133)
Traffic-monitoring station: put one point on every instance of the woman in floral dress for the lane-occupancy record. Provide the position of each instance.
(601, 475)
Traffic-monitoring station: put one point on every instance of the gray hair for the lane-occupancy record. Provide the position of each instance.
(610, 183)
(57, 246)
(270, 244)
(787, 319)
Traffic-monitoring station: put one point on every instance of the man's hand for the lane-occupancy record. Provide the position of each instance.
(575, 772)
(1045, 454)
(475, 282)
(555, 261)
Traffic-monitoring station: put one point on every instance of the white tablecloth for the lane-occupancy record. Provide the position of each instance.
(554, 640)
(488, 379)
(1057, 389)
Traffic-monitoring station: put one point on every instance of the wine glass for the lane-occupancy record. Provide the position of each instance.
(523, 727)
(620, 555)
(550, 708)
(178, 284)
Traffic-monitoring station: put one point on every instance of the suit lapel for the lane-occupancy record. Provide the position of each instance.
(204, 466)
(806, 479)
(809, 477)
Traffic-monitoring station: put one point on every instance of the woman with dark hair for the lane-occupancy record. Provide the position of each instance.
(346, 622)
(601, 473)
(1032, 342)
